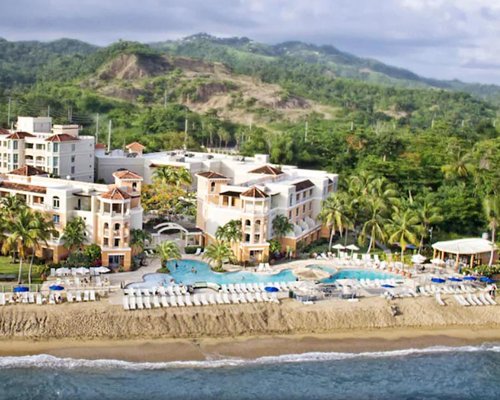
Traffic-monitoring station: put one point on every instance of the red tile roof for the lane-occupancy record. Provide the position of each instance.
(211, 175)
(115, 194)
(4, 131)
(22, 187)
(28, 170)
(63, 137)
(135, 146)
(303, 185)
(255, 192)
(267, 170)
(126, 174)
(19, 135)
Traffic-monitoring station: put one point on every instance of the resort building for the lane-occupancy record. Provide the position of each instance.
(470, 251)
(255, 192)
(57, 149)
(109, 211)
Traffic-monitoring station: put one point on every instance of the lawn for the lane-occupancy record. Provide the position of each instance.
(9, 268)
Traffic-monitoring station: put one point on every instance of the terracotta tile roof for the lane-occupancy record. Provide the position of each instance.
(4, 131)
(267, 170)
(211, 175)
(126, 174)
(28, 170)
(23, 187)
(115, 194)
(63, 137)
(303, 185)
(100, 146)
(19, 135)
(255, 192)
(135, 146)
(230, 193)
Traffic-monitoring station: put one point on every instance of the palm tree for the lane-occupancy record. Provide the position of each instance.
(12, 204)
(229, 232)
(218, 253)
(43, 229)
(402, 227)
(491, 206)
(138, 239)
(334, 214)
(428, 215)
(281, 226)
(459, 166)
(172, 175)
(73, 235)
(168, 250)
(374, 226)
(21, 237)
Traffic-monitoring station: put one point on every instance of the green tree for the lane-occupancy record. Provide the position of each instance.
(374, 226)
(229, 232)
(281, 226)
(168, 250)
(138, 239)
(335, 214)
(491, 207)
(218, 253)
(428, 215)
(42, 230)
(73, 235)
(172, 175)
(403, 227)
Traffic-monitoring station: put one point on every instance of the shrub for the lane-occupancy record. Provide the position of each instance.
(191, 249)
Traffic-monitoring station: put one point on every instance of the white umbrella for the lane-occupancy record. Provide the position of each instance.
(62, 271)
(82, 271)
(418, 259)
(437, 261)
(352, 247)
(338, 246)
(102, 270)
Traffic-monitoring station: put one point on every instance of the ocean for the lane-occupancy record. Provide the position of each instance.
(448, 373)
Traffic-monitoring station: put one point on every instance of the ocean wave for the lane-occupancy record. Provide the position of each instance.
(45, 361)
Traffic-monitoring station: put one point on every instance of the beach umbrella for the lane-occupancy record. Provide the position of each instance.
(271, 289)
(418, 259)
(56, 287)
(454, 279)
(388, 286)
(353, 248)
(438, 280)
(470, 278)
(437, 261)
(62, 271)
(20, 289)
(338, 247)
(102, 270)
(486, 279)
(82, 271)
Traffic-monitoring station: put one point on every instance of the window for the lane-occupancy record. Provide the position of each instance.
(117, 227)
(55, 202)
(73, 159)
(247, 237)
(55, 171)
(212, 187)
(297, 211)
(297, 197)
(289, 214)
(134, 185)
(290, 201)
(310, 206)
(106, 242)
(56, 219)
(72, 169)
(15, 145)
(117, 242)
(55, 147)
(15, 158)
(40, 147)
(29, 145)
(55, 161)
(73, 147)
(304, 208)
(247, 222)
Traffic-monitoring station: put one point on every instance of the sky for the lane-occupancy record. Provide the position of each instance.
(443, 39)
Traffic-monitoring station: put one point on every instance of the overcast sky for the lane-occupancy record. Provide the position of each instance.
(435, 38)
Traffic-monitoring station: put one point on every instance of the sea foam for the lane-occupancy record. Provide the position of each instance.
(45, 361)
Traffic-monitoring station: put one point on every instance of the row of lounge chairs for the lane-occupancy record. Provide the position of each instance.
(431, 290)
(95, 281)
(483, 299)
(140, 301)
(51, 298)
(257, 287)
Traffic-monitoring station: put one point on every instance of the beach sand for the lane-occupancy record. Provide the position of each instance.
(98, 330)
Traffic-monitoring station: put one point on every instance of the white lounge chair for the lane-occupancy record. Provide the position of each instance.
(187, 300)
(163, 300)
(203, 299)
(198, 251)
(242, 298)
(439, 299)
(138, 300)
(2, 299)
(258, 297)
(125, 303)
(31, 297)
(86, 295)
(476, 300)
(173, 301)
(180, 301)
(225, 298)
(235, 298)
(196, 301)
(211, 299)
(70, 297)
(156, 301)
(218, 298)
(52, 299)
(131, 301)
(250, 298)
(39, 299)
(490, 299)
(92, 295)
(78, 297)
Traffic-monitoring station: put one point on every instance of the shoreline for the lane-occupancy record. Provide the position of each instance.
(252, 347)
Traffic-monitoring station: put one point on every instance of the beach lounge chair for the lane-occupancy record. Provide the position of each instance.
(52, 299)
(483, 299)
(2, 299)
(265, 297)
(242, 298)
(138, 300)
(125, 303)
(180, 301)
(258, 297)
(173, 301)
(231, 288)
(92, 295)
(163, 300)
(490, 299)
(262, 286)
(70, 297)
(439, 299)
(86, 295)
(177, 290)
(211, 299)
(78, 296)
(39, 299)
(131, 301)
(225, 298)
(218, 298)
(463, 301)
(203, 299)
(161, 291)
(187, 300)
(198, 251)
(470, 300)
(250, 298)
(477, 301)
(235, 298)
(170, 291)
(156, 301)
(195, 300)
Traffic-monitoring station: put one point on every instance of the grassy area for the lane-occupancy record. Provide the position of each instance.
(9, 268)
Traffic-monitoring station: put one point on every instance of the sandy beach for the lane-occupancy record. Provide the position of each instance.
(254, 330)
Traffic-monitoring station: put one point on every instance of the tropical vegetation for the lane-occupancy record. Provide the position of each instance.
(217, 254)
(167, 250)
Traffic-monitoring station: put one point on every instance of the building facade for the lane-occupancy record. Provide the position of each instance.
(109, 211)
(57, 149)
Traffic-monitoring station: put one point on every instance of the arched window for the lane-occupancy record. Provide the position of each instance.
(248, 222)
(212, 187)
(106, 225)
(55, 202)
(134, 185)
(117, 227)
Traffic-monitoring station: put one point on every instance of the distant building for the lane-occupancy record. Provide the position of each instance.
(57, 149)
(109, 211)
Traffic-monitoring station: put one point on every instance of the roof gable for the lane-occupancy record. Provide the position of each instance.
(135, 146)
(211, 175)
(303, 185)
(115, 194)
(19, 135)
(23, 187)
(255, 192)
(127, 174)
(62, 137)
(28, 170)
(267, 170)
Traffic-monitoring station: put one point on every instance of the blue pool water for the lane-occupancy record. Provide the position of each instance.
(182, 271)
(359, 274)
(444, 373)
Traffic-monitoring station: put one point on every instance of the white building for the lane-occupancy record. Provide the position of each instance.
(57, 149)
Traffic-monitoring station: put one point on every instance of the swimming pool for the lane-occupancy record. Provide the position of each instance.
(359, 274)
(189, 272)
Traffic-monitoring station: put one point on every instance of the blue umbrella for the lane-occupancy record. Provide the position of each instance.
(56, 287)
(470, 278)
(438, 280)
(388, 286)
(453, 279)
(485, 279)
(19, 289)
(271, 289)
